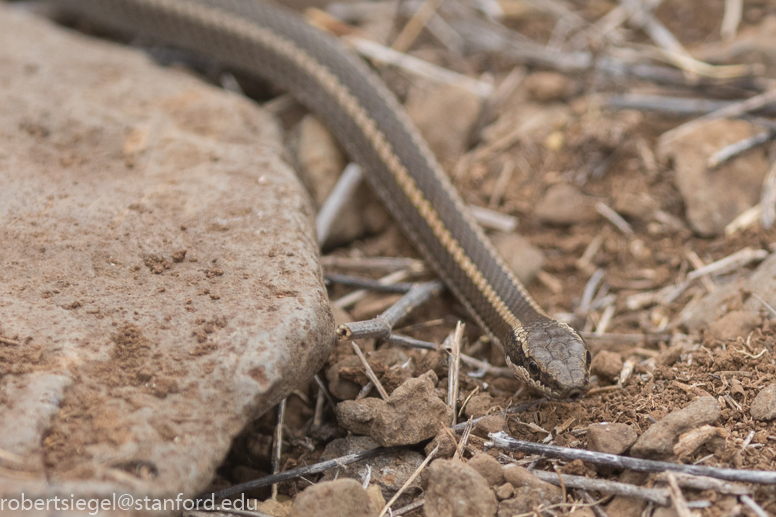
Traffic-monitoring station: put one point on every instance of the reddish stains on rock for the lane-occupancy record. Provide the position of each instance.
(259, 374)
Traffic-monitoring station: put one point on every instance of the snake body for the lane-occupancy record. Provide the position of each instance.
(267, 41)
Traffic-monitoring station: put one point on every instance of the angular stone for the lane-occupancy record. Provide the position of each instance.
(457, 490)
(357, 416)
(610, 438)
(764, 404)
(389, 472)
(658, 441)
(412, 413)
(340, 498)
(159, 268)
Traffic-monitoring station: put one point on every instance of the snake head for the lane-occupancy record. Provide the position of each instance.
(550, 356)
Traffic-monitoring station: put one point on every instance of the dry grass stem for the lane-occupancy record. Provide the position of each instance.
(340, 196)
(454, 369)
(752, 505)
(492, 220)
(9, 342)
(732, 262)
(408, 482)
(679, 503)
(732, 110)
(768, 198)
(351, 298)
(655, 495)
(735, 149)
(419, 67)
(731, 19)
(278, 444)
(414, 266)
(415, 25)
(369, 372)
(614, 218)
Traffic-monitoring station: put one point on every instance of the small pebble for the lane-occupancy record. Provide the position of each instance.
(764, 404)
(548, 86)
(607, 365)
(564, 205)
(489, 424)
(445, 116)
(610, 438)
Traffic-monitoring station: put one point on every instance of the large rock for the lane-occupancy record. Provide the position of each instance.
(159, 269)
(714, 197)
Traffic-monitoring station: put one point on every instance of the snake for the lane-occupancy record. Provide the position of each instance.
(268, 41)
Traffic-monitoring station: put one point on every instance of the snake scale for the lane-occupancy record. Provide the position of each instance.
(267, 41)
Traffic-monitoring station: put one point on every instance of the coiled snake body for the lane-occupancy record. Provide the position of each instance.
(267, 41)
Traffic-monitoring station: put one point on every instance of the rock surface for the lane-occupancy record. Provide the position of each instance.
(389, 472)
(357, 416)
(445, 116)
(522, 257)
(488, 467)
(658, 441)
(564, 205)
(610, 438)
(159, 265)
(457, 490)
(714, 197)
(735, 324)
(763, 406)
(521, 477)
(340, 498)
(321, 163)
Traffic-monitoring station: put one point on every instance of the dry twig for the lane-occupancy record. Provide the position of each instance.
(380, 327)
(301, 471)
(504, 441)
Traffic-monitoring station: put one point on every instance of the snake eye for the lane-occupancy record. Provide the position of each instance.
(533, 369)
(588, 358)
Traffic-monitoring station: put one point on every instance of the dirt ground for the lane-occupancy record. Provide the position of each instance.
(661, 356)
(610, 156)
